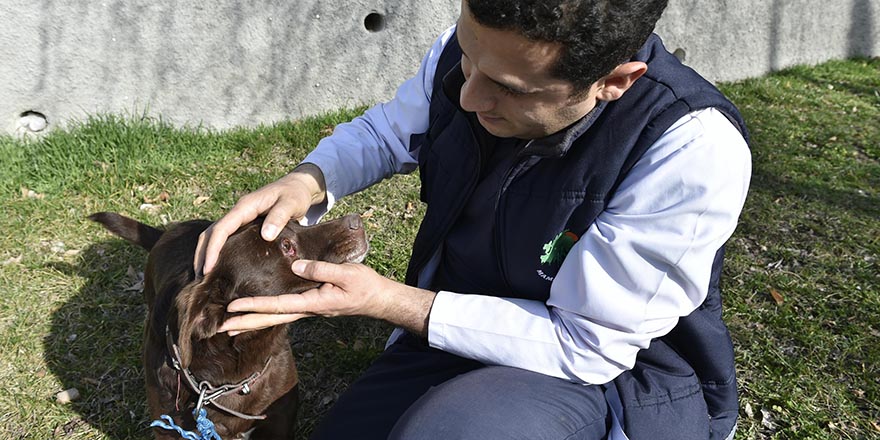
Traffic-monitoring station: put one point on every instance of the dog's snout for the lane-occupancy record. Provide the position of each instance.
(355, 222)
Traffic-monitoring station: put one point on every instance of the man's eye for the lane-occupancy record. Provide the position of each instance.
(510, 92)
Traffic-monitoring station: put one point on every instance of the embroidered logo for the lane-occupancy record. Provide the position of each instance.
(557, 248)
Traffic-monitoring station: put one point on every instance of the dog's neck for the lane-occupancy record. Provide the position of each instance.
(209, 392)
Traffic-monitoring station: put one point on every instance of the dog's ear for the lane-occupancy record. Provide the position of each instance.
(200, 312)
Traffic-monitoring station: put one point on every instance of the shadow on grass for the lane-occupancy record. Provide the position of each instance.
(857, 88)
(865, 204)
(95, 342)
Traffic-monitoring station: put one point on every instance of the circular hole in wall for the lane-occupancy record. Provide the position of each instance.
(374, 22)
(32, 121)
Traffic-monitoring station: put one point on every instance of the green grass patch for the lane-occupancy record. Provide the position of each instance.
(801, 282)
(808, 358)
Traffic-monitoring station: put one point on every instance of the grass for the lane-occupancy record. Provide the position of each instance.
(801, 297)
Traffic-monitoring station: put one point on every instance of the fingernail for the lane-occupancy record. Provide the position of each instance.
(298, 267)
(270, 231)
(232, 333)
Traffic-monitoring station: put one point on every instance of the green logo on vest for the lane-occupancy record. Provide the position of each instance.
(556, 250)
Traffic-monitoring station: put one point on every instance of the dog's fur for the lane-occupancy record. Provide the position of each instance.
(193, 308)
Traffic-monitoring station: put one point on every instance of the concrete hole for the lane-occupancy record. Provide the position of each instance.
(374, 22)
(32, 121)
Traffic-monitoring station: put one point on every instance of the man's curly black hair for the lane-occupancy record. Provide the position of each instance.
(596, 35)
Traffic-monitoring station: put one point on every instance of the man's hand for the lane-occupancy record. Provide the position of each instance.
(287, 198)
(348, 290)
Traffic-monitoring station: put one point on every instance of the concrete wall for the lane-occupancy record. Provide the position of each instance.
(734, 39)
(229, 63)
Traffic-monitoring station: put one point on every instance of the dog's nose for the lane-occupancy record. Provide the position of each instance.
(354, 222)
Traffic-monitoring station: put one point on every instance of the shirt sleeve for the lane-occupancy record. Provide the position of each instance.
(644, 262)
(376, 145)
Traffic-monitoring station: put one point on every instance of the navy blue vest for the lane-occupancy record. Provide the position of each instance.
(683, 386)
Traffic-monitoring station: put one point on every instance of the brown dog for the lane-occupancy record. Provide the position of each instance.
(247, 383)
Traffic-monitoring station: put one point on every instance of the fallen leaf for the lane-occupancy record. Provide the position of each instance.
(368, 213)
(777, 296)
(136, 287)
(200, 200)
(410, 210)
(766, 420)
(67, 428)
(161, 198)
(137, 279)
(876, 426)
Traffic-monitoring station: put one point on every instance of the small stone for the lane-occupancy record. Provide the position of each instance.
(149, 207)
(67, 396)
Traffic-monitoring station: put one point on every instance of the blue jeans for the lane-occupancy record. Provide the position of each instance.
(415, 392)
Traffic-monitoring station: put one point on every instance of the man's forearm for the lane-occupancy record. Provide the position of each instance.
(409, 308)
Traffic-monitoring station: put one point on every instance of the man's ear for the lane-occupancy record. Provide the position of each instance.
(199, 315)
(612, 86)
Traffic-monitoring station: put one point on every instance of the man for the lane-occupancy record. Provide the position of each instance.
(580, 184)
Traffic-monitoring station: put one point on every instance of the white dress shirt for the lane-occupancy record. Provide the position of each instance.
(641, 265)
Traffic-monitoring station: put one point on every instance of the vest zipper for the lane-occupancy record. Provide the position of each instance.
(521, 164)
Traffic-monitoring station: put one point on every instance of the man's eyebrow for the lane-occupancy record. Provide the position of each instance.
(510, 87)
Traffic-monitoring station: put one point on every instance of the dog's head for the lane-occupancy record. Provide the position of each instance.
(251, 266)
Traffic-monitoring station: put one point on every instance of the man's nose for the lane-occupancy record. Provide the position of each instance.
(476, 94)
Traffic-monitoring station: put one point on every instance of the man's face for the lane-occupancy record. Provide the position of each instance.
(508, 84)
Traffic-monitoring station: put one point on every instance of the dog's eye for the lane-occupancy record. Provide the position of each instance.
(287, 247)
